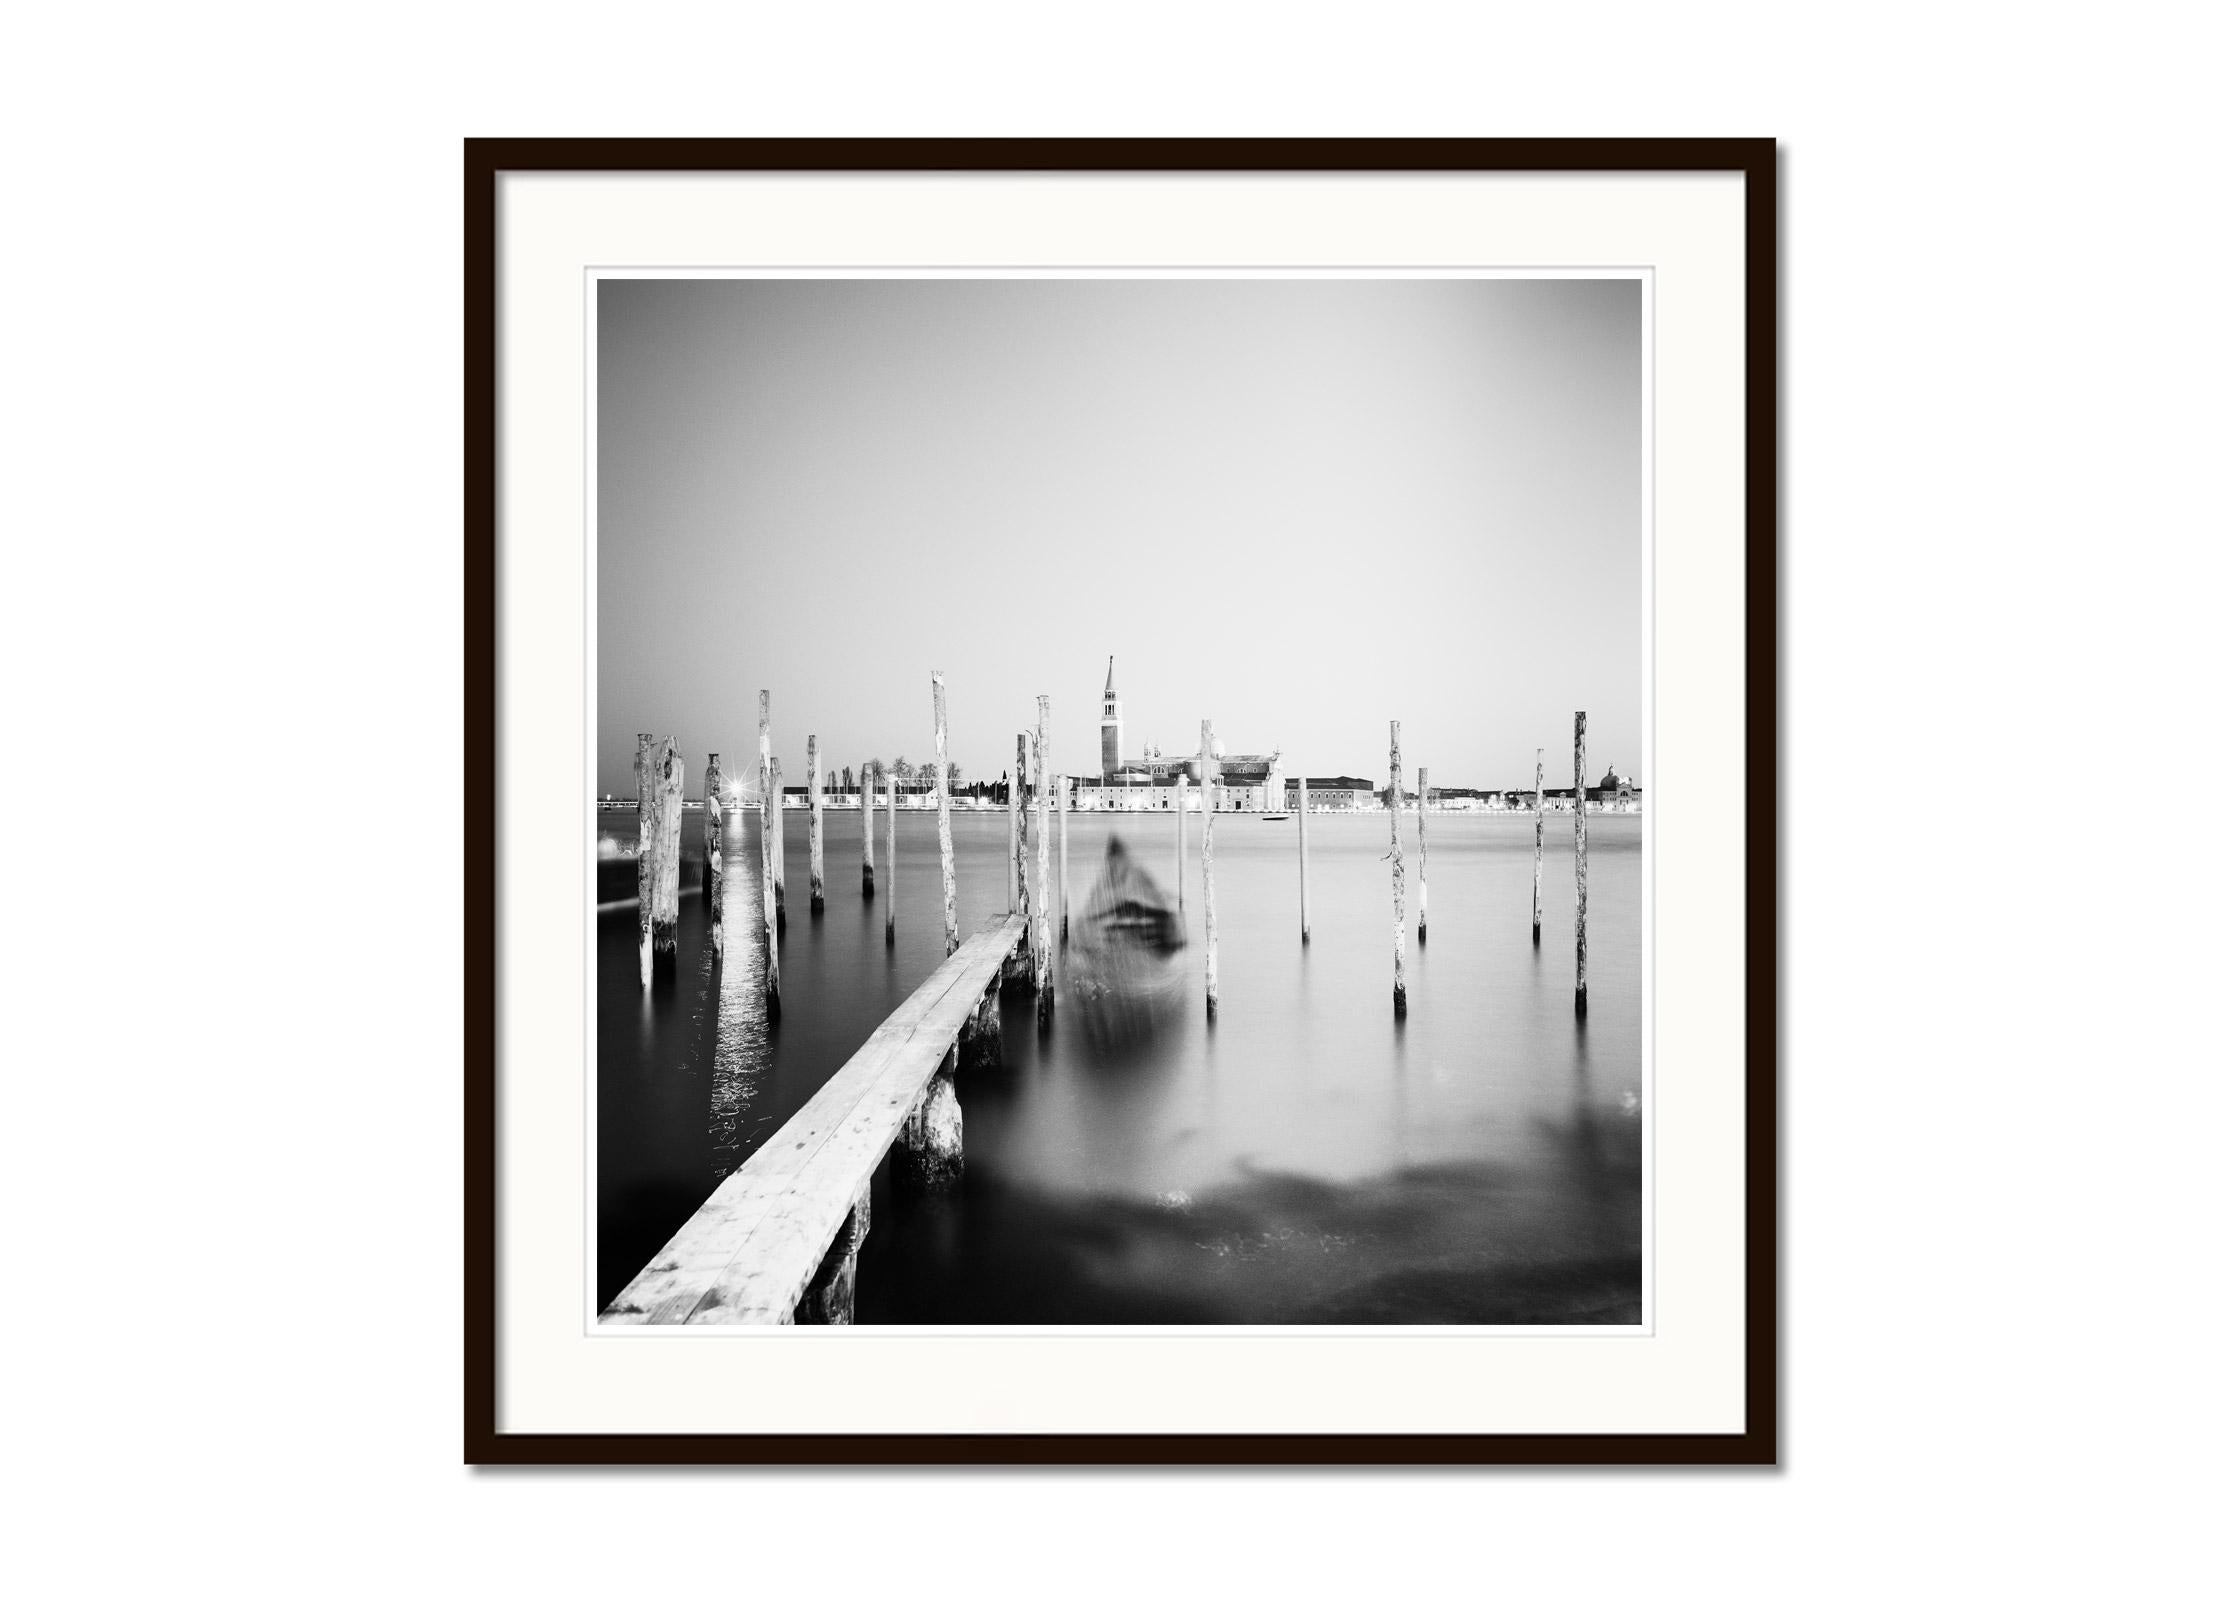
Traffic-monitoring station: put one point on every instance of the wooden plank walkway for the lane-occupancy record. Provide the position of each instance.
(749, 1253)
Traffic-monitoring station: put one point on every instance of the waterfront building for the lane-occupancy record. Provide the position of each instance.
(1108, 729)
(1244, 782)
(1610, 793)
(1339, 794)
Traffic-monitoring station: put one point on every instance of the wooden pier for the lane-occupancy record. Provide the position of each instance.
(777, 1241)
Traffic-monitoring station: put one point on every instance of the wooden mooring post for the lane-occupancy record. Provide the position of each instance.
(773, 841)
(816, 830)
(1014, 808)
(863, 800)
(711, 864)
(1019, 828)
(1579, 851)
(778, 847)
(1399, 888)
(1209, 771)
(767, 824)
(1042, 991)
(1181, 837)
(660, 830)
(941, 807)
(1065, 873)
(893, 784)
(1423, 856)
(1539, 826)
(1305, 921)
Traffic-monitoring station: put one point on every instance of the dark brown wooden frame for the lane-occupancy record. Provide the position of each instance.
(489, 160)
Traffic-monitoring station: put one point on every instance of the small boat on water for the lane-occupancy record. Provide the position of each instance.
(1127, 911)
(1121, 961)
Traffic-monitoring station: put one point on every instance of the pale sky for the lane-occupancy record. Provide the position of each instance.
(1300, 508)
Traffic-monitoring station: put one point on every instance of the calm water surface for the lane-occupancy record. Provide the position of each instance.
(1305, 1158)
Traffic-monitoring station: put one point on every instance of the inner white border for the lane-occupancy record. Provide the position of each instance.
(1687, 1376)
(590, 796)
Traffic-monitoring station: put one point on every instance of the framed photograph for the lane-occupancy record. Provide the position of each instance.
(1131, 801)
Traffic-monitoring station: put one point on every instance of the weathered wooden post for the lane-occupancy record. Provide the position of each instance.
(1014, 809)
(778, 849)
(1539, 824)
(1181, 836)
(768, 825)
(1208, 771)
(1423, 856)
(711, 865)
(816, 830)
(941, 807)
(1399, 887)
(893, 784)
(1020, 788)
(1042, 995)
(1305, 928)
(773, 841)
(1065, 875)
(660, 826)
(1579, 851)
(863, 803)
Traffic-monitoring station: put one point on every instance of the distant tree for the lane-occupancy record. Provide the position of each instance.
(904, 773)
(847, 777)
(956, 775)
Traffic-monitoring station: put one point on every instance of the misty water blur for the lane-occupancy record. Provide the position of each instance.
(1305, 1157)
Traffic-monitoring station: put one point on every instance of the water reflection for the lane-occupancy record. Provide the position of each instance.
(742, 1041)
(1307, 1162)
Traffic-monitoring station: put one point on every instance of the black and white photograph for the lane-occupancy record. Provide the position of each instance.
(1119, 800)
(1188, 800)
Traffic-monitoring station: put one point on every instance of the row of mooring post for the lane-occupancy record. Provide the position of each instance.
(660, 814)
(660, 805)
(1396, 856)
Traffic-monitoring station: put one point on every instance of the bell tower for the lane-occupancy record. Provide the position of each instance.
(1110, 724)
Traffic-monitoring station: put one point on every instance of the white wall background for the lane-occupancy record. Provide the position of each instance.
(229, 1158)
